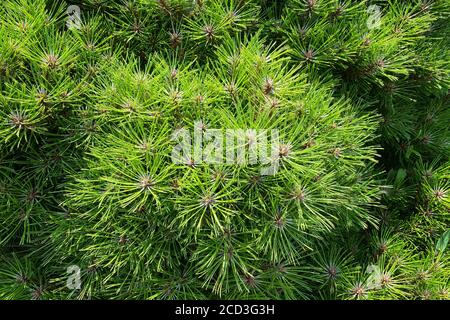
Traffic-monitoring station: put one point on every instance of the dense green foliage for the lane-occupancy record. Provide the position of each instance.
(358, 209)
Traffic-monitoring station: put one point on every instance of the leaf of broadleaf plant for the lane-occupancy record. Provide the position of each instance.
(443, 241)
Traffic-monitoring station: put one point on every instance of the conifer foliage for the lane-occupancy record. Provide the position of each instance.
(358, 203)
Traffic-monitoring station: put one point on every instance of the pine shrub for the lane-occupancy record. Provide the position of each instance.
(357, 206)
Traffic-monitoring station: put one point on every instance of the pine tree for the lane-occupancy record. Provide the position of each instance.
(358, 207)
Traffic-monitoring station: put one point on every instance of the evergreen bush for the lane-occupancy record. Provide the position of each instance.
(356, 204)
